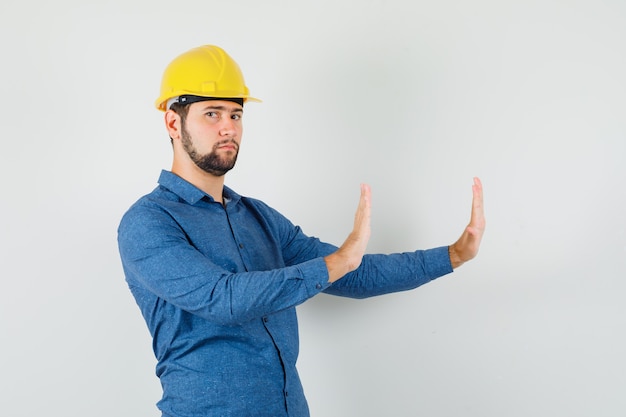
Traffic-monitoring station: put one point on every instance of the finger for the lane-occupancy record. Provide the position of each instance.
(363, 212)
(366, 193)
(365, 200)
(478, 214)
(477, 190)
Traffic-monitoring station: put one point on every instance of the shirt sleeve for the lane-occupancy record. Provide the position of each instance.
(157, 256)
(378, 274)
(382, 274)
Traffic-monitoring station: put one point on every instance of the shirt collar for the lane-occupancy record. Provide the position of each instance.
(189, 192)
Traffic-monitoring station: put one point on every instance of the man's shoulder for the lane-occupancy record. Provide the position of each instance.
(153, 203)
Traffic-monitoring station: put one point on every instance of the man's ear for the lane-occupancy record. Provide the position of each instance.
(172, 124)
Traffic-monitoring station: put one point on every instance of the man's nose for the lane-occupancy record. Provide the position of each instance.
(228, 127)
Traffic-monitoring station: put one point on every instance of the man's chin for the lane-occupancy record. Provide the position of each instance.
(217, 172)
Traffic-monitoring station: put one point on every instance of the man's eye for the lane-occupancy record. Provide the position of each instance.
(236, 117)
(211, 114)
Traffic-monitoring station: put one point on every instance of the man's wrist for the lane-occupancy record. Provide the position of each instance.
(455, 260)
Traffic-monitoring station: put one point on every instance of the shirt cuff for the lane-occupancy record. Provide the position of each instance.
(437, 262)
(314, 273)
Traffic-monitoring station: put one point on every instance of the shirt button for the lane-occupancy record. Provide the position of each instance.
(318, 286)
(241, 245)
(265, 319)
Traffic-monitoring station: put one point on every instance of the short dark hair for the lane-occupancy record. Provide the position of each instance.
(181, 110)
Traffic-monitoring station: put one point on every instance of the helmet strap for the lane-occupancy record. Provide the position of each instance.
(189, 99)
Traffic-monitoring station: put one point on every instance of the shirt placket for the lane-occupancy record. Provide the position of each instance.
(268, 321)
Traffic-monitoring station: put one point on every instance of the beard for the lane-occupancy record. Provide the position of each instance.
(211, 162)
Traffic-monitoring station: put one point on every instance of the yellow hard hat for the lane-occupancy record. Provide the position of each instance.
(205, 71)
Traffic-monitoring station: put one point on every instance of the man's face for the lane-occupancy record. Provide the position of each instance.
(211, 134)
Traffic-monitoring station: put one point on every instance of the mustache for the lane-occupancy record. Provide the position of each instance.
(226, 142)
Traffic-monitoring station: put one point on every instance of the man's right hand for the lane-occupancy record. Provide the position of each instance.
(348, 257)
(467, 246)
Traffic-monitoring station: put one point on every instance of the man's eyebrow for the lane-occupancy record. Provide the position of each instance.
(223, 108)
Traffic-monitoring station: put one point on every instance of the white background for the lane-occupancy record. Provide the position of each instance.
(413, 97)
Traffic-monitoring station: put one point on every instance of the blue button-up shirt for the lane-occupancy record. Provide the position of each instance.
(218, 286)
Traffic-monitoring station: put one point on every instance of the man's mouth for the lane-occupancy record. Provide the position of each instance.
(230, 145)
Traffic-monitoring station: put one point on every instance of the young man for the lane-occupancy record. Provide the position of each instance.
(217, 276)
